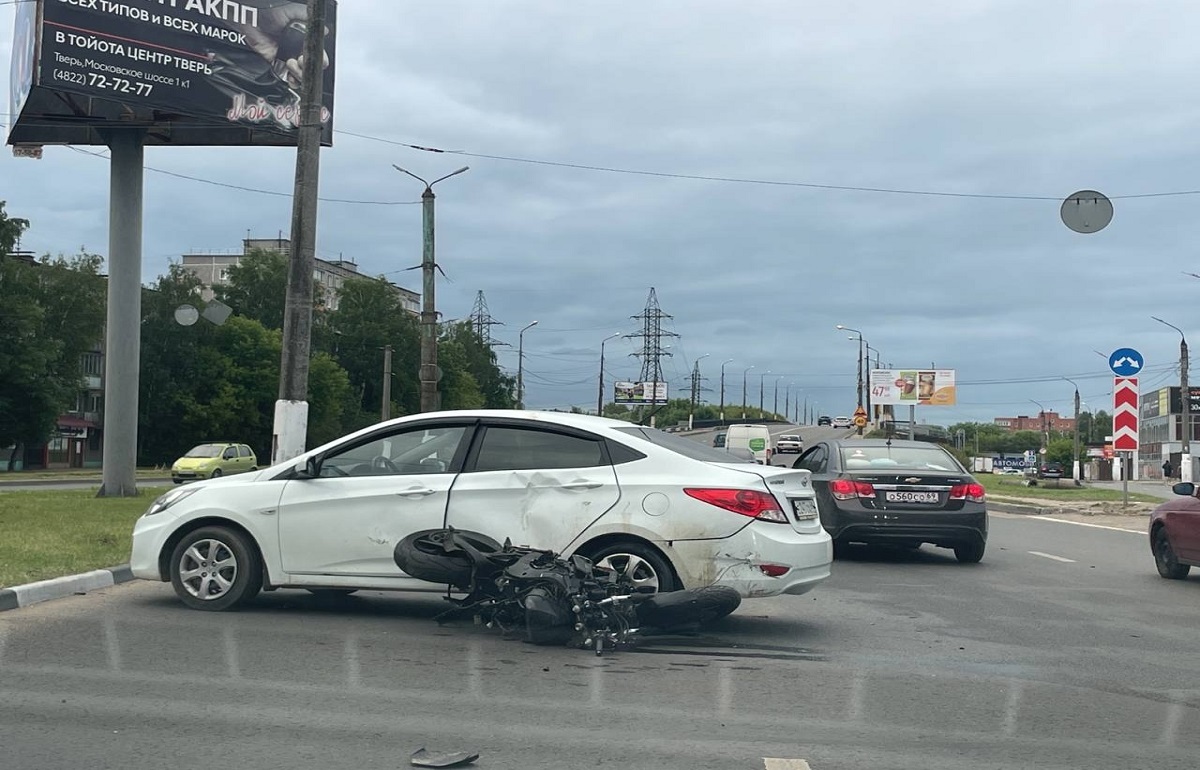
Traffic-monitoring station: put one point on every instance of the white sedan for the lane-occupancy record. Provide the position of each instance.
(669, 512)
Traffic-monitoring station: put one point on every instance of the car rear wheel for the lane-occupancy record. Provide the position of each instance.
(215, 569)
(1165, 559)
(641, 564)
(970, 553)
(216, 474)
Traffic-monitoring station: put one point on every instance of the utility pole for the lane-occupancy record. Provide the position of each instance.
(787, 400)
(695, 390)
(291, 410)
(600, 396)
(1076, 464)
(385, 413)
(726, 361)
(430, 398)
(761, 401)
(775, 391)
(482, 322)
(653, 350)
(1185, 398)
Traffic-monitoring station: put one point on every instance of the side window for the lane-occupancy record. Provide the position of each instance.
(405, 452)
(815, 460)
(516, 449)
(229, 453)
(243, 451)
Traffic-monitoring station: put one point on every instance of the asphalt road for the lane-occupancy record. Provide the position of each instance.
(1063, 649)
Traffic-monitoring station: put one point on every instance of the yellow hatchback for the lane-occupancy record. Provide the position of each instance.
(210, 461)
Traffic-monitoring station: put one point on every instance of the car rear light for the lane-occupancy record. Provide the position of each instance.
(747, 502)
(845, 489)
(971, 492)
(774, 570)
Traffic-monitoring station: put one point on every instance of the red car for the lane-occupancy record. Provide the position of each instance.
(1175, 533)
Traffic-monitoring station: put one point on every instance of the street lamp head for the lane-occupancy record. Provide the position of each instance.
(530, 326)
(839, 326)
(727, 361)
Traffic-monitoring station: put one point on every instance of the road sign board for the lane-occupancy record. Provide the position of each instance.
(1125, 414)
(860, 411)
(1125, 362)
(860, 420)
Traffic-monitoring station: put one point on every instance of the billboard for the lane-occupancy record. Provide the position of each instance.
(24, 53)
(915, 387)
(199, 67)
(633, 393)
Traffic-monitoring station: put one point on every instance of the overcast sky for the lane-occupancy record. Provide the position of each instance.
(1026, 98)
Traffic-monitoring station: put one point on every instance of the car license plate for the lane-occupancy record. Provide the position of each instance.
(804, 509)
(911, 497)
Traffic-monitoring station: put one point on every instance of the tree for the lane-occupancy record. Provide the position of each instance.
(257, 287)
(497, 389)
(1060, 451)
(10, 232)
(52, 313)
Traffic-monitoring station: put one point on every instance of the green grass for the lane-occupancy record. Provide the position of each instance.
(75, 474)
(1064, 489)
(62, 532)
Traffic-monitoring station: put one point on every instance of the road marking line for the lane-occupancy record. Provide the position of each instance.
(774, 763)
(1027, 517)
(1052, 556)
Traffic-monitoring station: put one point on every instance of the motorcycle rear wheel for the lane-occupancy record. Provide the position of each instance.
(423, 555)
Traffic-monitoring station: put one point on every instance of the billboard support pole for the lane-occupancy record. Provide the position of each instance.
(122, 345)
(290, 430)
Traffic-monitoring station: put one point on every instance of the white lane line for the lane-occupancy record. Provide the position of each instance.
(1001, 515)
(1052, 556)
(774, 763)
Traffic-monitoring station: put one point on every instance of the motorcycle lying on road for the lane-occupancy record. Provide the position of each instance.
(552, 600)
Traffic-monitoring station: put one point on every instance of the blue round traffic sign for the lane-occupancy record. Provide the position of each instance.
(1125, 362)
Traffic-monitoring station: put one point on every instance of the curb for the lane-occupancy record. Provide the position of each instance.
(57, 588)
(1026, 510)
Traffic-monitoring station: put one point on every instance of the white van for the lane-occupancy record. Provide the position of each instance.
(755, 438)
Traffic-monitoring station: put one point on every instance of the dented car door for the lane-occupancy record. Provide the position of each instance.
(538, 485)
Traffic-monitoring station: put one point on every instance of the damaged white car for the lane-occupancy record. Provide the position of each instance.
(668, 512)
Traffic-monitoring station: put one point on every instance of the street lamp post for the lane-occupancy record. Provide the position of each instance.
(1045, 429)
(1185, 397)
(1076, 465)
(600, 396)
(521, 365)
(726, 361)
(748, 368)
(761, 378)
(860, 364)
(775, 408)
(787, 400)
(430, 398)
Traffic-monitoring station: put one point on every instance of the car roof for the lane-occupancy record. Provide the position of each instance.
(895, 442)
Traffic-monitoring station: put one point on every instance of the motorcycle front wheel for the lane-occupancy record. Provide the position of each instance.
(690, 607)
(425, 556)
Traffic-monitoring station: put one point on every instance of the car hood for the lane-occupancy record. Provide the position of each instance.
(192, 463)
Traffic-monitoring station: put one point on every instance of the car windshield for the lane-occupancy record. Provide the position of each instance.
(789, 438)
(898, 457)
(205, 450)
(684, 446)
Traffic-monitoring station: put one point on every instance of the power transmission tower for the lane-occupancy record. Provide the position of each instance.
(482, 321)
(652, 348)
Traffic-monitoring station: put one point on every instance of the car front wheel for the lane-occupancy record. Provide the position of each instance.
(1165, 559)
(215, 569)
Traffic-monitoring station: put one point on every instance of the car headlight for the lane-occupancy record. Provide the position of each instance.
(170, 498)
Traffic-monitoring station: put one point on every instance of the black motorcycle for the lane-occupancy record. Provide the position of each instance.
(551, 599)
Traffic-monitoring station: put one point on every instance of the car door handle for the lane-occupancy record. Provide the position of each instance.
(583, 485)
(417, 492)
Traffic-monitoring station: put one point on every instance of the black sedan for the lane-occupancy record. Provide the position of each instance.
(902, 493)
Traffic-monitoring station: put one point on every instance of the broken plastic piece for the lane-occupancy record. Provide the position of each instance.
(423, 758)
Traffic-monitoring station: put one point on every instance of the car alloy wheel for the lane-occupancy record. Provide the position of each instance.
(1164, 557)
(215, 568)
(216, 474)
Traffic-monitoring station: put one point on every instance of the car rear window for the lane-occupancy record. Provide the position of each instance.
(909, 458)
(686, 447)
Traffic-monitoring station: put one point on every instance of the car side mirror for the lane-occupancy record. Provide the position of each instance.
(1185, 488)
(309, 469)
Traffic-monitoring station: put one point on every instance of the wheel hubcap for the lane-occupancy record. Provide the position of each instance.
(208, 569)
(632, 567)
(1165, 557)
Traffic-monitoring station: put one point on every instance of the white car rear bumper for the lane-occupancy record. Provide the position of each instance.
(737, 561)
